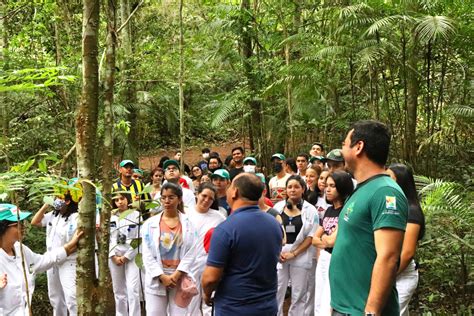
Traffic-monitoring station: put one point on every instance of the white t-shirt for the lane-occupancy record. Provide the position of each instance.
(203, 222)
(278, 188)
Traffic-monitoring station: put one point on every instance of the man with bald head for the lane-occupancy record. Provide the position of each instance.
(244, 252)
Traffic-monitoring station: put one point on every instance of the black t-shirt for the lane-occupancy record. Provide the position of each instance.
(234, 172)
(415, 216)
(273, 212)
(296, 222)
(330, 219)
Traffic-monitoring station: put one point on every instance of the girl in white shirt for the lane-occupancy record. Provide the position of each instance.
(203, 217)
(124, 228)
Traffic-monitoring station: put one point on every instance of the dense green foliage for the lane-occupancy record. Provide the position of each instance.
(312, 69)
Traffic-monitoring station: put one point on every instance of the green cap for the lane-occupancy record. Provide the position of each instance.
(8, 212)
(261, 176)
(335, 155)
(170, 162)
(221, 173)
(314, 158)
(279, 156)
(125, 162)
(250, 159)
(139, 171)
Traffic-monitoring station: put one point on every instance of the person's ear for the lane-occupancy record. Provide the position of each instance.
(359, 147)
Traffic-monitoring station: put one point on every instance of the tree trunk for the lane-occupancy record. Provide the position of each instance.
(86, 132)
(129, 93)
(106, 299)
(412, 104)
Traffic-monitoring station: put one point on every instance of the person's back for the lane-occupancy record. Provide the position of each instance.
(249, 283)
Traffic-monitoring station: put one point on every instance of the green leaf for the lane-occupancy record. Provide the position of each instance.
(126, 213)
(135, 243)
(139, 260)
(48, 200)
(42, 166)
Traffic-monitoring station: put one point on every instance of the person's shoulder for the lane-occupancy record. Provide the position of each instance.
(216, 214)
(279, 206)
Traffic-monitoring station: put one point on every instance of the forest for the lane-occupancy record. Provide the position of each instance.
(87, 83)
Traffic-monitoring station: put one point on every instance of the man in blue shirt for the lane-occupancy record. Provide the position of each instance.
(244, 252)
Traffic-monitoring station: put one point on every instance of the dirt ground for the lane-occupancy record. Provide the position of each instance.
(191, 156)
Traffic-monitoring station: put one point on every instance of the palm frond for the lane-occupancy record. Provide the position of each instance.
(462, 111)
(432, 27)
(388, 21)
(353, 10)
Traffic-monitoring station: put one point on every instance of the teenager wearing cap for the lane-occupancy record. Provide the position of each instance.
(13, 295)
(137, 174)
(221, 180)
(318, 161)
(60, 226)
(204, 217)
(173, 174)
(237, 158)
(277, 184)
(250, 164)
(127, 183)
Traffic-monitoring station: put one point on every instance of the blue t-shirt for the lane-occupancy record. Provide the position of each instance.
(223, 203)
(247, 245)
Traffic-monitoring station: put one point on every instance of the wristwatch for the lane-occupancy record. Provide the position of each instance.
(369, 314)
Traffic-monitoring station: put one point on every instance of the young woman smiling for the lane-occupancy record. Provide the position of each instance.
(169, 248)
(204, 217)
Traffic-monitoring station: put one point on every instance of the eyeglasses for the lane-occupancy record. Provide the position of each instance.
(196, 170)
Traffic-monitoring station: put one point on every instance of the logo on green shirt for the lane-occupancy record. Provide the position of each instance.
(349, 210)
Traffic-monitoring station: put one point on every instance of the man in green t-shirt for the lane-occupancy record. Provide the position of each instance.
(371, 226)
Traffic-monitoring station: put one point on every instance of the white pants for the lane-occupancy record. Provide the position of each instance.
(322, 297)
(406, 284)
(162, 305)
(299, 282)
(126, 285)
(62, 288)
(197, 307)
(309, 297)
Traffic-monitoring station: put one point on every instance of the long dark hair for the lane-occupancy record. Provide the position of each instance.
(71, 208)
(176, 189)
(301, 182)
(209, 186)
(126, 195)
(343, 182)
(406, 181)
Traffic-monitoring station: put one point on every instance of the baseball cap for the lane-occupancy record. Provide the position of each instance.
(335, 155)
(222, 173)
(314, 158)
(125, 162)
(250, 159)
(8, 212)
(138, 170)
(278, 156)
(261, 176)
(170, 162)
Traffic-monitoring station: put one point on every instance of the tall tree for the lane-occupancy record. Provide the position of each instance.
(86, 132)
(106, 299)
(128, 86)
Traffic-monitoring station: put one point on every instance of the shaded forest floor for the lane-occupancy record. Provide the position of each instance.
(191, 155)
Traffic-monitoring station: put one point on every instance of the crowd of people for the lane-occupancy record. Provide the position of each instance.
(333, 234)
